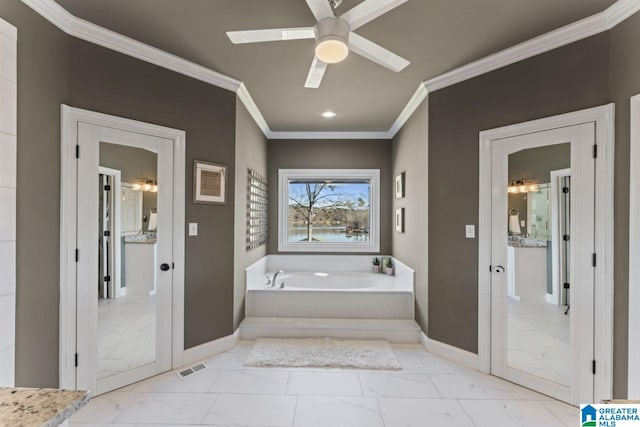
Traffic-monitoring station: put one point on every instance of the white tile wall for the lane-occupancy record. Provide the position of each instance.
(7, 268)
(8, 150)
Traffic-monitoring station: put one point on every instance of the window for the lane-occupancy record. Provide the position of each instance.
(332, 210)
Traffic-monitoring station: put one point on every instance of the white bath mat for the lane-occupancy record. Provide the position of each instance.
(322, 353)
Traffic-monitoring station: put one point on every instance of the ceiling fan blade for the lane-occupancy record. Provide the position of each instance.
(276, 34)
(316, 72)
(376, 53)
(369, 10)
(320, 8)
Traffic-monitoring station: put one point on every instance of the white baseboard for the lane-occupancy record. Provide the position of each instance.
(211, 348)
(455, 354)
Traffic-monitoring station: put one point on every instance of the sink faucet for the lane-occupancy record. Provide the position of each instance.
(273, 281)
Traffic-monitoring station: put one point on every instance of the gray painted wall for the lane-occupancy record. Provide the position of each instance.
(585, 74)
(42, 86)
(536, 164)
(56, 69)
(134, 164)
(332, 154)
(410, 155)
(251, 152)
(112, 83)
(567, 79)
(624, 82)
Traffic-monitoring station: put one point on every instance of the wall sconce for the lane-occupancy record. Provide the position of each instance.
(521, 186)
(146, 185)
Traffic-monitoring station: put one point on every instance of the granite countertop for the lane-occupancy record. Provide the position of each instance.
(141, 242)
(27, 407)
(526, 242)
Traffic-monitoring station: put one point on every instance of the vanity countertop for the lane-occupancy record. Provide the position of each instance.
(144, 239)
(141, 242)
(46, 407)
(526, 242)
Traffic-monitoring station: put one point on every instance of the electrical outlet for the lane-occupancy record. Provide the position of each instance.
(470, 231)
(193, 229)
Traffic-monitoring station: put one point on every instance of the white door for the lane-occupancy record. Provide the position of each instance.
(127, 338)
(533, 342)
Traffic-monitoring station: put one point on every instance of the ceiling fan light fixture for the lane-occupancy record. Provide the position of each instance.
(332, 40)
(332, 50)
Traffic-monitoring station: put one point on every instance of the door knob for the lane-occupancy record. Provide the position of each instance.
(499, 269)
(164, 267)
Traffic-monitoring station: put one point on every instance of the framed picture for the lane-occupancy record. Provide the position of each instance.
(400, 220)
(400, 186)
(209, 183)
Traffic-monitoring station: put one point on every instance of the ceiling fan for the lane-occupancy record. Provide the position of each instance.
(334, 36)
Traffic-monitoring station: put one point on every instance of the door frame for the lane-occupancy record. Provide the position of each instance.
(603, 117)
(117, 245)
(70, 119)
(556, 290)
(633, 391)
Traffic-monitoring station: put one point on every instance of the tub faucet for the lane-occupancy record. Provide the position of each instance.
(273, 281)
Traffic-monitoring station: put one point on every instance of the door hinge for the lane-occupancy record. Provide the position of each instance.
(593, 367)
(595, 151)
(107, 278)
(565, 237)
(77, 255)
(76, 360)
(77, 151)
(566, 285)
(106, 233)
(565, 190)
(107, 187)
(593, 260)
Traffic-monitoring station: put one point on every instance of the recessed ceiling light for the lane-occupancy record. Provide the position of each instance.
(329, 114)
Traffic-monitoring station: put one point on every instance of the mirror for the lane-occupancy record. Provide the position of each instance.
(127, 247)
(538, 262)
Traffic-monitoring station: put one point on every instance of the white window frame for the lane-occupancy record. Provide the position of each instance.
(372, 175)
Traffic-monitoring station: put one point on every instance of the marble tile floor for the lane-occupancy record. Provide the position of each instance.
(428, 391)
(538, 340)
(126, 333)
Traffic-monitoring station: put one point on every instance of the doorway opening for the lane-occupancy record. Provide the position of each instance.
(545, 259)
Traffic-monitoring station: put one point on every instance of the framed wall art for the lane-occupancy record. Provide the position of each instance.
(400, 220)
(399, 185)
(209, 183)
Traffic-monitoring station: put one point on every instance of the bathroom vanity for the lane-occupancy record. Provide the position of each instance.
(140, 258)
(527, 269)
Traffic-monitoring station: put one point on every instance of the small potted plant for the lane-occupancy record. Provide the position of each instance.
(376, 265)
(388, 266)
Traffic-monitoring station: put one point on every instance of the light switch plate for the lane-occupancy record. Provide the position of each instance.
(193, 229)
(470, 231)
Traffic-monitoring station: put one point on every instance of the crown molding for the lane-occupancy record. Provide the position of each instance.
(93, 33)
(77, 27)
(595, 24)
(419, 95)
(329, 135)
(244, 96)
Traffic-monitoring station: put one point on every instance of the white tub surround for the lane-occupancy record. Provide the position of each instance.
(8, 167)
(329, 295)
